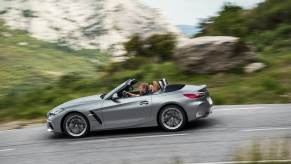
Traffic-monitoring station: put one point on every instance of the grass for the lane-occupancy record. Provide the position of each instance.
(28, 65)
(264, 150)
(271, 85)
(39, 63)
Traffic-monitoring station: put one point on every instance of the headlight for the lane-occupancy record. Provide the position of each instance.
(55, 112)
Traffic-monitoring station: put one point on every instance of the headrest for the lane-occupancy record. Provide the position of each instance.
(163, 83)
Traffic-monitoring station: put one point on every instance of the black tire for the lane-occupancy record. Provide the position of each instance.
(83, 125)
(182, 116)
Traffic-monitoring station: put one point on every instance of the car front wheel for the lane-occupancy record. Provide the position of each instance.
(172, 118)
(75, 125)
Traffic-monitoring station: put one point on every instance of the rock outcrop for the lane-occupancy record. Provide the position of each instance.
(254, 67)
(212, 54)
(85, 24)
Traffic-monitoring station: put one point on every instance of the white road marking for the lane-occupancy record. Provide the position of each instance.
(230, 109)
(246, 162)
(128, 138)
(266, 129)
(1, 150)
(1, 131)
(172, 135)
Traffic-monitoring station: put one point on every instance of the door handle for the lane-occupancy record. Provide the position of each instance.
(143, 103)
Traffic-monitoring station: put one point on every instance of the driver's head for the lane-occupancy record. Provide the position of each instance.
(143, 88)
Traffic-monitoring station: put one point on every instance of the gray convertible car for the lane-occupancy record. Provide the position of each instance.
(170, 108)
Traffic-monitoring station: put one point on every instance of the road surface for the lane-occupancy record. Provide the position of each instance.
(215, 139)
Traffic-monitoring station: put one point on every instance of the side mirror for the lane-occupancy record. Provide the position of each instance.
(102, 96)
(114, 96)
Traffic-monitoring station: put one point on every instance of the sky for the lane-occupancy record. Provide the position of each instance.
(190, 12)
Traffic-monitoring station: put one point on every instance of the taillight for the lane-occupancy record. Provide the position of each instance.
(193, 96)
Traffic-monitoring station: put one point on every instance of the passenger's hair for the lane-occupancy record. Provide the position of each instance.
(156, 84)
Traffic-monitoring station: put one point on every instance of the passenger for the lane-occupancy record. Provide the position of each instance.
(151, 88)
(155, 87)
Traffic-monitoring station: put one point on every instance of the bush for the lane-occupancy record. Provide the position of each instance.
(229, 22)
(270, 84)
(28, 13)
(134, 46)
(156, 47)
(161, 46)
(3, 12)
(69, 79)
(269, 15)
(134, 63)
(266, 26)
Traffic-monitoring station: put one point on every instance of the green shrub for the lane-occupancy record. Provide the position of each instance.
(229, 22)
(3, 12)
(267, 26)
(134, 46)
(161, 46)
(156, 47)
(270, 84)
(28, 13)
(69, 79)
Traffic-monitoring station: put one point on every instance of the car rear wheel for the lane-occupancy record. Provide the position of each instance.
(172, 118)
(75, 125)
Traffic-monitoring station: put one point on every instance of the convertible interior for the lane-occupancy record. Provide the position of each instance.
(133, 88)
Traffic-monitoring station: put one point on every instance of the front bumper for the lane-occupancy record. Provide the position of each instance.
(54, 124)
(50, 127)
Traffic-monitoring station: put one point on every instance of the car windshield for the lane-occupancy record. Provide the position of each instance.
(114, 90)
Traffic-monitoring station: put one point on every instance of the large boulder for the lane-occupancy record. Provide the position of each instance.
(213, 54)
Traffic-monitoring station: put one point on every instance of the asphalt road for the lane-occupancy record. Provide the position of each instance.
(214, 139)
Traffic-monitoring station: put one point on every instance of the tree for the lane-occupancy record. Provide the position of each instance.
(159, 46)
(134, 46)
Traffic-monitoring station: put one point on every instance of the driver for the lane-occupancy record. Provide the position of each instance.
(143, 90)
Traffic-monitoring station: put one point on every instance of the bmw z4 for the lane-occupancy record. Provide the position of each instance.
(173, 106)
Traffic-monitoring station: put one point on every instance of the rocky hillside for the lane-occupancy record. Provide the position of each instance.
(26, 63)
(85, 24)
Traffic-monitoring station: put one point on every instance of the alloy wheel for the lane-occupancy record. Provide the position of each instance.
(76, 125)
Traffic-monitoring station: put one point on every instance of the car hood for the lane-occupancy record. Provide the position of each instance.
(79, 101)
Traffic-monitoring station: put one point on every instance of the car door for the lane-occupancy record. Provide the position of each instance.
(126, 112)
